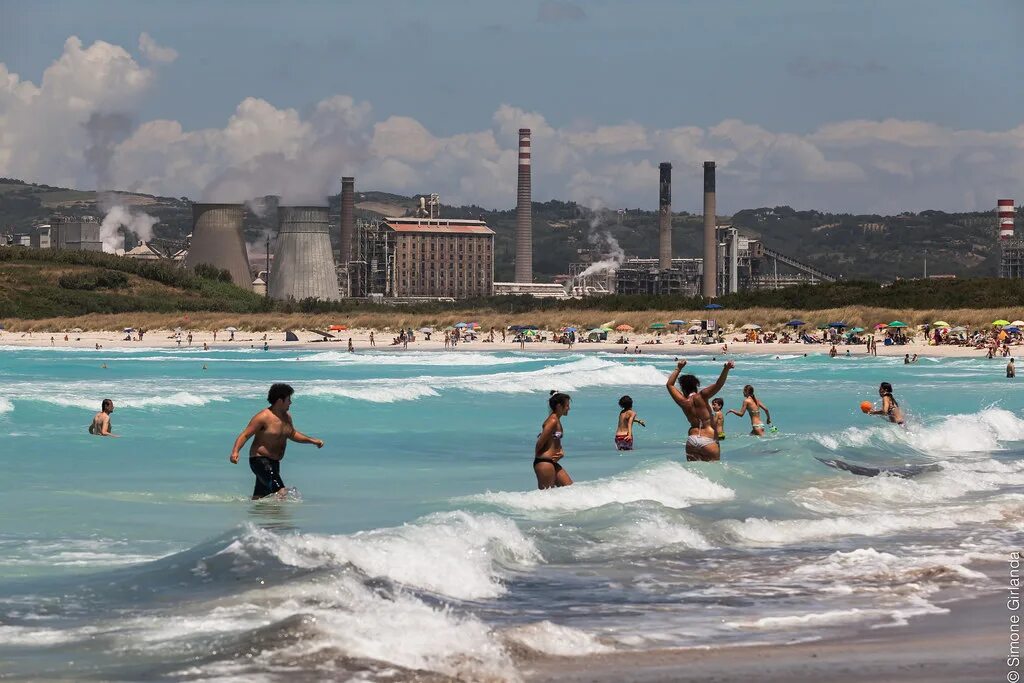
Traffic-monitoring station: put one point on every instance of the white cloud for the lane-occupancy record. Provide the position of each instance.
(154, 52)
(261, 148)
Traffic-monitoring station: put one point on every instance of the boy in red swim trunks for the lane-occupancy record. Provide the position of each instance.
(624, 430)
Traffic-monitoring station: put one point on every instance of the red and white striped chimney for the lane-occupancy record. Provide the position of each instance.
(524, 212)
(1005, 212)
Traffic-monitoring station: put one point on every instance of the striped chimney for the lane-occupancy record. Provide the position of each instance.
(524, 212)
(1005, 212)
(348, 219)
(665, 216)
(710, 239)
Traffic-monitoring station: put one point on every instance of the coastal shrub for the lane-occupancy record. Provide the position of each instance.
(104, 279)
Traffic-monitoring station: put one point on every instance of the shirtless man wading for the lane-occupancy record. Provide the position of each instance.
(101, 421)
(272, 428)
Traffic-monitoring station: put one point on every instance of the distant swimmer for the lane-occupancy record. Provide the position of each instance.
(1011, 370)
(890, 407)
(548, 450)
(272, 428)
(718, 418)
(752, 405)
(701, 440)
(624, 429)
(101, 425)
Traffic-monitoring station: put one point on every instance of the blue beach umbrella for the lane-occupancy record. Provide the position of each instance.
(795, 323)
(714, 307)
(837, 325)
(461, 325)
(676, 322)
(1011, 329)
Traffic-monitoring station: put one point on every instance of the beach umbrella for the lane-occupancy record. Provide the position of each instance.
(426, 330)
(460, 326)
(473, 325)
(897, 323)
(1000, 323)
(1011, 328)
(337, 328)
(751, 326)
(694, 329)
(880, 326)
(942, 323)
(856, 329)
(624, 328)
(657, 326)
(795, 323)
(128, 329)
(570, 329)
(226, 329)
(683, 322)
(714, 307)
(598, 330)
(838, 325)
(1015, 323)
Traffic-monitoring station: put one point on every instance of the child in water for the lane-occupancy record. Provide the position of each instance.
(624, 430)
(718, 418)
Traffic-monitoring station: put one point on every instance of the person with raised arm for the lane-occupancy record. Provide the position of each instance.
(701, 440)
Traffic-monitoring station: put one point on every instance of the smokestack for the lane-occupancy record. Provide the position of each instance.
(665, 217)
(348, 221)
(217, 241)
(710, 240)
(303, 261)
(1005, 212)
(524, 212)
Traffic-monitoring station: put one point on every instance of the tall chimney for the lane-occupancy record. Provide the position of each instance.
(524, 212)
(710, 241)
(665, 217)
(348, 221)
(1005, 213)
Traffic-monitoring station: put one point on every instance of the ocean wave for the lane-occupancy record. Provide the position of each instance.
(456, 554)
(5, 405)
(556, 639)
(177, 399)
(430, 358)
(669, 484)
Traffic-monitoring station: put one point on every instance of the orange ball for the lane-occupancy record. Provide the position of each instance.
(866, 406)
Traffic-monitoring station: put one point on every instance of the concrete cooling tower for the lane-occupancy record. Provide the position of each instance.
(217, 241)
(303, 259)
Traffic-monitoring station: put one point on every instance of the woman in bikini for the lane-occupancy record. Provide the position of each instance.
(754, 407)
(890, 408)
(549, 446)
(701, 442)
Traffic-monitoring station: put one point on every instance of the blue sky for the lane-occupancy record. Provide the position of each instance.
(786, 65)
(789, 68)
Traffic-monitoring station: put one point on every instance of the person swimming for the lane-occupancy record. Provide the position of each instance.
(548, 450)
(101, 425)
(624, 430)
(701, 443)
(718, 418)
(752, 405)
(890, 407)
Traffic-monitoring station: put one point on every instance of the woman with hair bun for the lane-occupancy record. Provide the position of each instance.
(549, 451)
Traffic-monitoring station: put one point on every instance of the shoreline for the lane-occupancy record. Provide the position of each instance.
(969, 643)
(308, 341)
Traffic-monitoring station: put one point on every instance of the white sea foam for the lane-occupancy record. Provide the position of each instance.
(460, 358)
(453, 553)
(33, 636)
(178, 398)
(670, 484)
(880, 569)
(5, 406)
(891, 617)
(556, 639)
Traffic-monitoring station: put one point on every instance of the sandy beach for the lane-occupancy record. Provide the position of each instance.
(968, 644)
(307, 340)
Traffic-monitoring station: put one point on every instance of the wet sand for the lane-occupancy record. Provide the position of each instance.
(970, 643)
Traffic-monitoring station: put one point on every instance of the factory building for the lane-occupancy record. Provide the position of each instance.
(423, 257)
(80, 234)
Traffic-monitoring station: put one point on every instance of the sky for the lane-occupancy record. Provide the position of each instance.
(860, 106)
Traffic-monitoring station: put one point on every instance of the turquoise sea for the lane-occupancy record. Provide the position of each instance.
(417, 540)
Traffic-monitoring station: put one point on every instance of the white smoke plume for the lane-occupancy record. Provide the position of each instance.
(138, 222)
(601, 238)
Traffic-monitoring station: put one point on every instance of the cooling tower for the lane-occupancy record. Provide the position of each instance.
(524, 212)
(217, 240)
(348, 220)
(303, 260)
(665, 217)
(710, 239)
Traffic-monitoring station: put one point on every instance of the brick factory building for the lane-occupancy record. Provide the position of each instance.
(424, 257)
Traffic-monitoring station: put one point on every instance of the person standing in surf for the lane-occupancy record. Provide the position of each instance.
(890, 407)
(548, 450)
(1011, 370)
(701, 440)
(624, 430)
(752, 405)
(101, 425)
(718, 418)
(270, 429)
